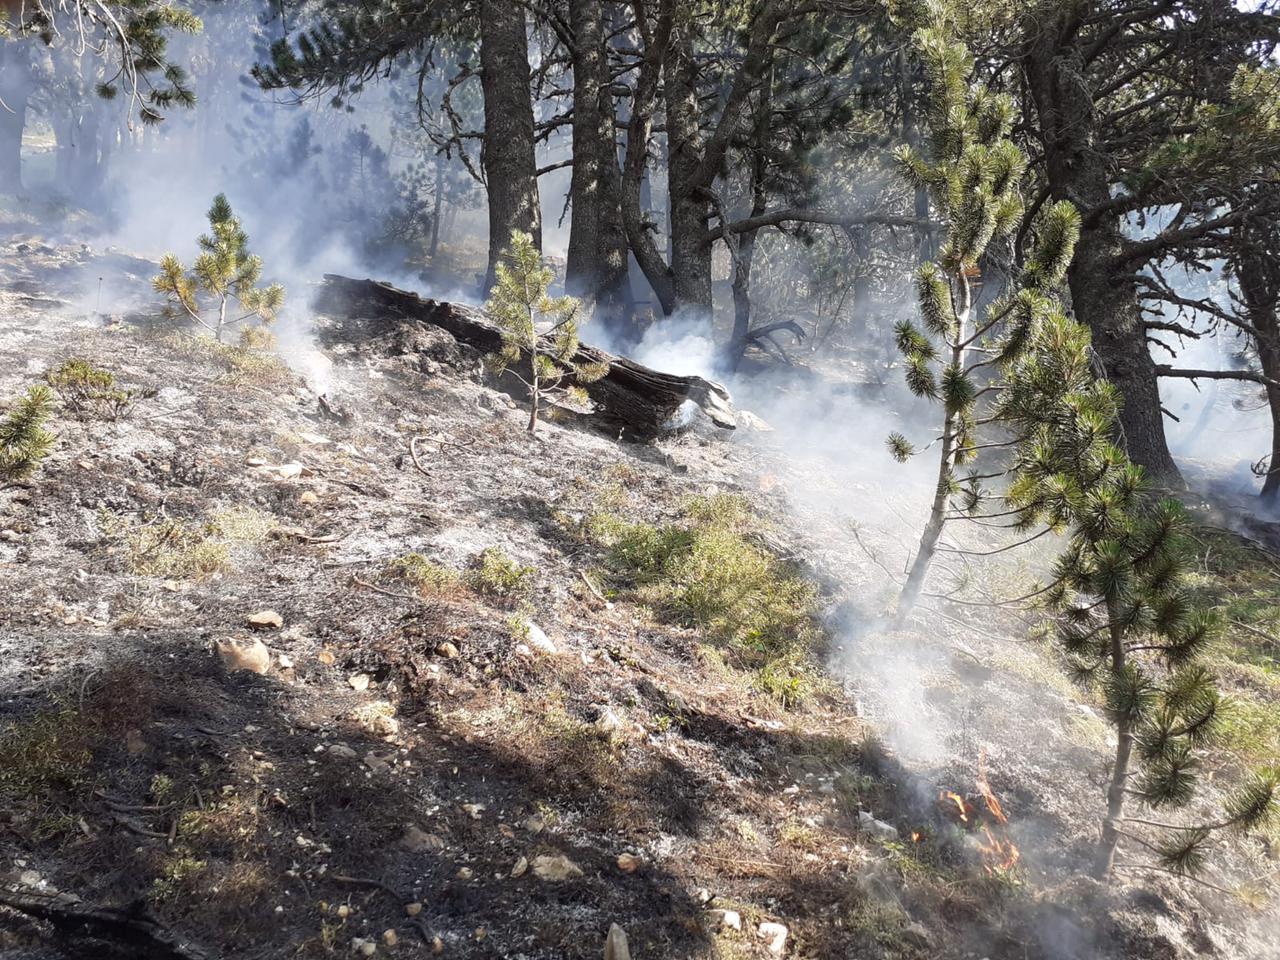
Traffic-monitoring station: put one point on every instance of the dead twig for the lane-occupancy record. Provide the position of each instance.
(413, 452)
(595, 592)
(385, 592)
(1273, 642)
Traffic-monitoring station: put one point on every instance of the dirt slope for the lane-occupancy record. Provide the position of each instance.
(410, 769)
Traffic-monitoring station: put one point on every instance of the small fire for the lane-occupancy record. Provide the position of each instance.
(915, 836)
(946, 797)
(999, 853)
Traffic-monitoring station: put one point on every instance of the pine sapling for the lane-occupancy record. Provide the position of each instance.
(973, 178)
(24, 441)
(539, 333)
(227, 273)
(1119, 603)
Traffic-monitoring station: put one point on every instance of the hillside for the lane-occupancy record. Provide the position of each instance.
(387, 675)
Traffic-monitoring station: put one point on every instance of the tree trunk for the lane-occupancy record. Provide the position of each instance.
(1259, 278)
(689, 203)
(507, 156)
(597, 257)
(15, 91)
(1106, 854)
(1102, 296)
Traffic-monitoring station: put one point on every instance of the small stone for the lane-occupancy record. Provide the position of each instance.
(877, 828)
(308, 496)
(251, 655)
(30, 878)
(343, 911)
(416, 840)
(9, 536)
(725, 919)
(473, 810)
(377, 763)
(534, 824)
(615, 945)
(366, 948)
(465, 873)
(412, 909)
(265, 620)
(609, 722)
(917, 935)
(447, 650)
(538, 639)
(775, 937)
(555, 869)
(342, 750)
(629, 863)
(285, 661)
(326, 657)
(359, 682)
(389, 937)
(437, 946)
(522, 865)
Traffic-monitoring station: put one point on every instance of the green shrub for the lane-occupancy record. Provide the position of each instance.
(706, 572)
(91, 392)
(497, 575)
(429, 577)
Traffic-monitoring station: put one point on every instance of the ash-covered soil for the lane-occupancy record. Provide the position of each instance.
(236, 717)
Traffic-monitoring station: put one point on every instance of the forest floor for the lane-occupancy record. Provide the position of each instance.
(403, 680)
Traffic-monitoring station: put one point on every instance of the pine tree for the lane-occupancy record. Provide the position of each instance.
(541, 359)
(1120, 605)
(24, 441)
(225, 271)
(973, 179)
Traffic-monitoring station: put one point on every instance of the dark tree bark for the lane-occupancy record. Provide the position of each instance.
(1103, 295)
(1258, 273)
(15, 92)
(507, 154)
(597, 259)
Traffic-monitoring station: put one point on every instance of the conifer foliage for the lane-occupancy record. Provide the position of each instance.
(958, 358)
(539, 332)
(1119, 602)
(227, 274)
(24, 441)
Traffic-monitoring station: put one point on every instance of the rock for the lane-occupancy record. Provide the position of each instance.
(265, 620)
(251, 655)
(412, 909)
(308, 497)
(437, 946)
(917, 935)
(343, 911)
(752, 422)
(629, 862)
(447, 650)
(377, 763)
(359, 682)
(555, 869)
(534, 824)
(342, 750)
(465, 873)
(389, 937)
(521, 867)
(285, 661)
(877, 828)
(775, 937)
(725, 919)
(615, 945)
(609, 722)
(538, 640)
(31, 878)
(378, 719)
(366, 948)
(326, 657)
(9, 536)
(417, 840)
(473, 810)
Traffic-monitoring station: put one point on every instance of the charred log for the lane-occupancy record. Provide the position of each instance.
(641, 398)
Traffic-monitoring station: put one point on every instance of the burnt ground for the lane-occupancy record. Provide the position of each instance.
(410, 747)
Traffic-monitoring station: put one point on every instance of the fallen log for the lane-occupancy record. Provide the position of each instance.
(128, 928)
(643, 399)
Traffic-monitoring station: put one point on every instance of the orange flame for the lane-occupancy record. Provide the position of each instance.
(947, 796)
(999, 853)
